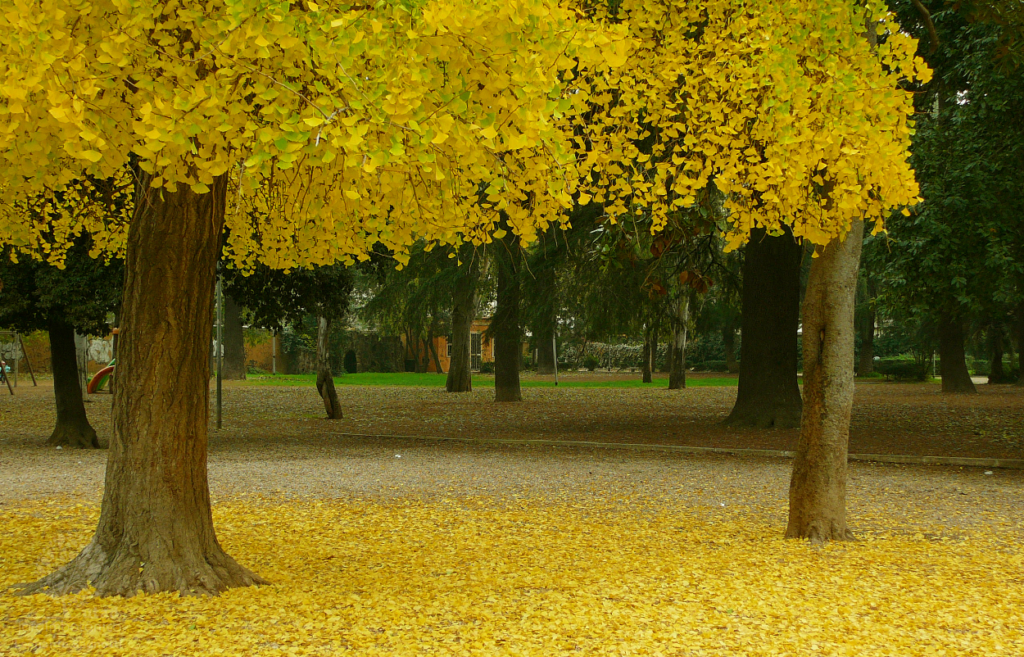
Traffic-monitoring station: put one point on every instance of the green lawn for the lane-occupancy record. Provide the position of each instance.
(483, 381)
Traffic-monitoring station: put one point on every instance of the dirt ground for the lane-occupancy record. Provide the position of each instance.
(275, 443)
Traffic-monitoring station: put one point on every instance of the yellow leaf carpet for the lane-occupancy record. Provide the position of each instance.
(490, 576)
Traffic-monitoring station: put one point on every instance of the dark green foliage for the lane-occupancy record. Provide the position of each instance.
(903, 369)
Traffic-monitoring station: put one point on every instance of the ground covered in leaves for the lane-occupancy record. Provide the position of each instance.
(416, 547)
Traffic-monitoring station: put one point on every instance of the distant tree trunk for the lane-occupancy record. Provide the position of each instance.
(817, 489)
(1020, 343)
(670, 357)
(72, 428)
(324, 376)
(955, 376)
(729, 340)
(769, 393)
(867, 344)
(234, 341)
(677, 377)
(506, 328)
(433, 350)
(995, 368)
(460, 374)
(155, 531)
(648, 358)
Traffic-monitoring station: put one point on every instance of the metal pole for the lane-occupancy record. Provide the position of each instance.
(273, 352)
(220, 342)
(554, 353)
(17, 356)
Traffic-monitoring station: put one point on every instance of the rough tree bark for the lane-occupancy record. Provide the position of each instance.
(155, 531)
(234, 341)
(324, 376)
(955, 376)
(506, 329)
(460, 374)
(677, 377)
(769, 393)
(72, 428)
(817, 489)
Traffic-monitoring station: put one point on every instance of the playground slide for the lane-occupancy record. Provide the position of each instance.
(100, 378)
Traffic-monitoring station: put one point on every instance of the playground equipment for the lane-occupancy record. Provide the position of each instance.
(16, 352)
(99, 380)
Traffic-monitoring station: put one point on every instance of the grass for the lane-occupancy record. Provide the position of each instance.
(479, 380)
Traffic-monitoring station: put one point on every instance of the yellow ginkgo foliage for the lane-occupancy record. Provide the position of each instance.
(784, 107)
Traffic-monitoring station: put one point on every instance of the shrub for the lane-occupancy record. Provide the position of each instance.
(903, 369)
(487, 368)
(591, 363)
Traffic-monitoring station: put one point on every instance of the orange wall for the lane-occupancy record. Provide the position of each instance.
(441, 344)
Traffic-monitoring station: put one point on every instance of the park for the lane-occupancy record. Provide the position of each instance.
(512, 328)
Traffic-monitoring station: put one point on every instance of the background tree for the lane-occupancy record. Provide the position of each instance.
(78, 297)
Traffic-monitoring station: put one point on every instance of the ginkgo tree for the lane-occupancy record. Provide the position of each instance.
(793, 111)
(338, 126)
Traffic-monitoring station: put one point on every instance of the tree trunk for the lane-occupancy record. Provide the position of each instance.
(867, 344)
(155, 531)
(817, 489)
(433, 350)
(955, 376)
(324, 376)
(729, 340)
(647, 358)
(73, 428)
(1020, 343)
(506, 329)
(460, 373)
(769, 394)
(677, 377)
(234, 341)
(544, 331)
(995, 368)
(670, 357)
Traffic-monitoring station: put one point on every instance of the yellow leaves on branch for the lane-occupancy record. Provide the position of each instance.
(480, 576)
(341, 128)
(784, 107)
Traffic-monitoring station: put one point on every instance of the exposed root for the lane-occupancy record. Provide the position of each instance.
(74, 435)
(124, 574)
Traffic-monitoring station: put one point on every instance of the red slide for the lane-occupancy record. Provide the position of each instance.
(98, 379)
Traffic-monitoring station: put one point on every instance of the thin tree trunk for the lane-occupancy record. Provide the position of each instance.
(647, 358)
(460, 374)
(769, 393)
(867, 344)
(324, 376)
(1020, 343)
(995, 368)
(72, 428)
(544, 331)
(234, 341)
(155, 530)
(955, 376)
(677, 377)
(433, 350)
(506, 328)
(817, 489)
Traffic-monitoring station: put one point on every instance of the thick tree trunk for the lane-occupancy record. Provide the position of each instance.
(729, 340)
(506, 329)
(234, 341)
(995, 368)
(677, 377)
(867, 344)
(324, 376)
(769, 394)
(72, 428)
(817, 489)
(460, 373)
(955, 376)
(155, 530)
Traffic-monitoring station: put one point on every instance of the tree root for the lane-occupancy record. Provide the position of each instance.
(73, 435)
